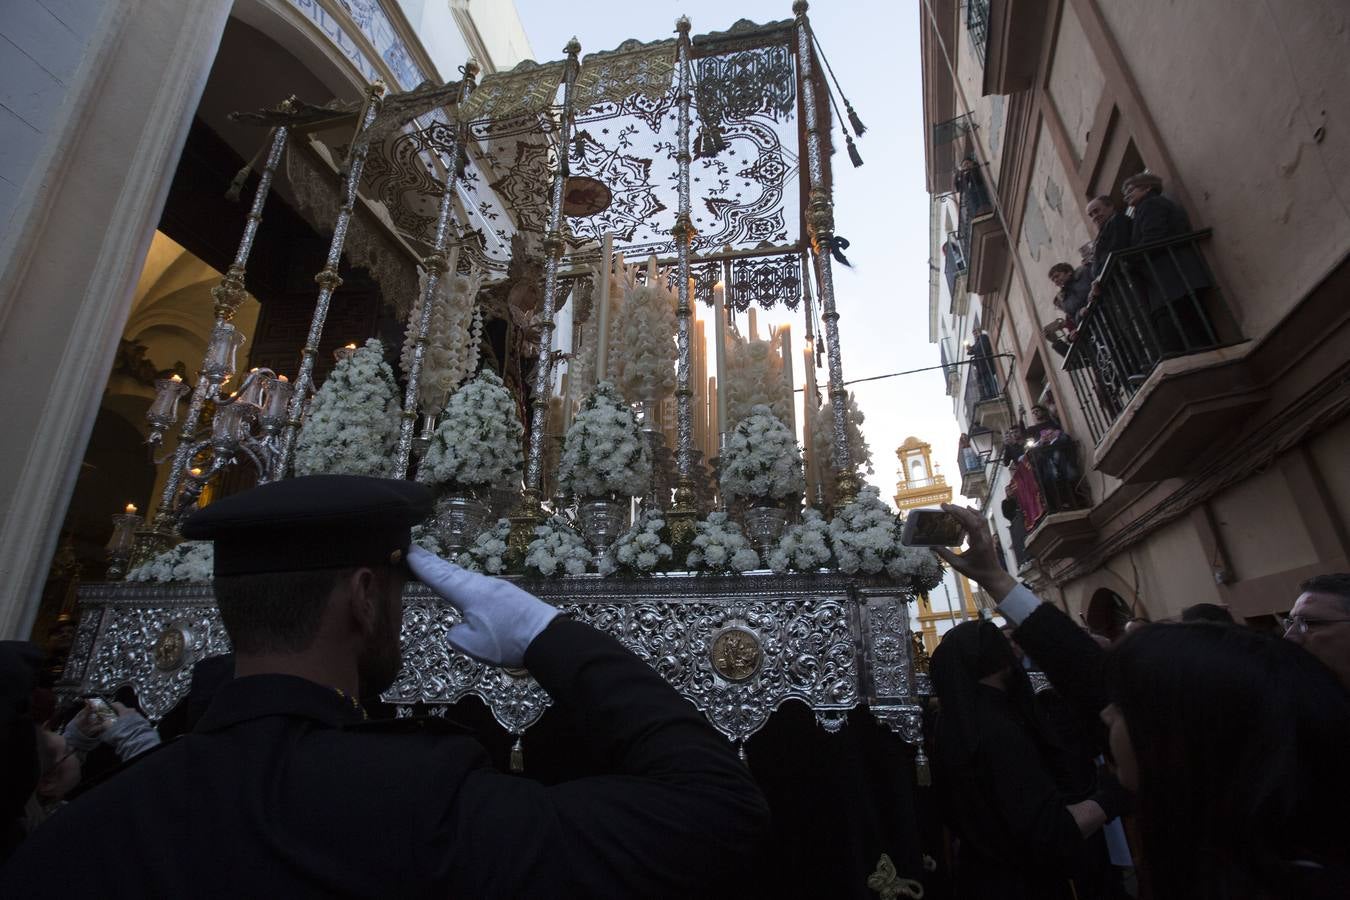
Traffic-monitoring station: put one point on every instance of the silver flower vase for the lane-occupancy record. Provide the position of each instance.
(602, 521)
(764, 527)
(460, 518)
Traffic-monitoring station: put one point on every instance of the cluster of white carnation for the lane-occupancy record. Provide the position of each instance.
(488, 551)
(453, 336)
(720, 547)
(557, 549)
(188, 561)
(822, 444)
(581, 369)
(761, 459)
(754, 378)
(804, 547)
(645, 351)
(641, 549)
(865, 536)
(425, 536)
(604, 453)
(352, 424)
(478, 442)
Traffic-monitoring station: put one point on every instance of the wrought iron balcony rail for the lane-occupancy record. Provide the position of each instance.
(1045, 480)
(1151, 307)
(977, 23)
(982, 386)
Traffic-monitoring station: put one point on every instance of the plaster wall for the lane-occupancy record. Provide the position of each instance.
(986, 113)
(1328, 451)
(1076, 80)
(1271, 171)
(1259, 523)
(1053, 227)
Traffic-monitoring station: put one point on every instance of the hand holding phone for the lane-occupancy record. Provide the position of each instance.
(932, 528)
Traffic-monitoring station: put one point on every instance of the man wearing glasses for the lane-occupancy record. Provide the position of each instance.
(1320, 622)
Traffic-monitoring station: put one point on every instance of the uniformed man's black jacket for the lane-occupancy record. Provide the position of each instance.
(271, 796)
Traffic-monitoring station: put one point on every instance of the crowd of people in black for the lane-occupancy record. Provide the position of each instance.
(1220, 747)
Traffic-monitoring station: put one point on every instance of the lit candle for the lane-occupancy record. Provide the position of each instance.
(720, 317)
(174, 377)
(195, 472)
(282, 378)
(131, 509)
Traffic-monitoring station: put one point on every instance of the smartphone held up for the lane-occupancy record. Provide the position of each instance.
(932, 528)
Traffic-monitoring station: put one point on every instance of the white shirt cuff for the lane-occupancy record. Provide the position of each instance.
(1019, 604)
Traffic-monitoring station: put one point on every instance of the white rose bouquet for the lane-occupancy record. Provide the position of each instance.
(488, 552)
(762, 459)
(822, 444)
(453, 337)
(804, 547)
(352, 424)
(720, 547)
(557, 549)
(189, 561)
(477, 445)
(604, 453)
(640, 550)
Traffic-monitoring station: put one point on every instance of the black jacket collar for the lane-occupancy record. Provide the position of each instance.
(258, 696)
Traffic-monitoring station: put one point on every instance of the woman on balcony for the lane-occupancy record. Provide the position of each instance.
(1051, 452)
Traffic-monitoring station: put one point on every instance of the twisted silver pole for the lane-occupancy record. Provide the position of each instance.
(436, 264)
(820, 226)
(328, 278)
(685, 510)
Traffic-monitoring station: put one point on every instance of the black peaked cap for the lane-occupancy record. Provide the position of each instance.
(313, 522)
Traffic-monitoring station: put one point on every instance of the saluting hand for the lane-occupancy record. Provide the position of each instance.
(500, 619)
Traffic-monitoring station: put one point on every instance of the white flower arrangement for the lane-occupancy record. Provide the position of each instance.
(488, 551)
(353, 421)
(189, 561)
(916, 566)
(863, 534)
(822, 445)
(755, 378)
(424, 536)
(762, 459)
(453, 337)
(645, 352)
(604, 453)
(720, 547)
(640, 550)
(477, 445)
(557, 549)
(804, 547)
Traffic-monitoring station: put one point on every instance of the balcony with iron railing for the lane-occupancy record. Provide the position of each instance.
(985, 399)
(954, 269)
(1146, 361)
(979, 233)
(1046, 481)
(974, 477)
(977, 25)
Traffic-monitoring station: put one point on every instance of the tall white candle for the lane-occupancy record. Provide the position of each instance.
(754, 326)
(602, 324)
(785, 340)
(720, 313)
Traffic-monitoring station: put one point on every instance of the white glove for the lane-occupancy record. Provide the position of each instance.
(500, 620)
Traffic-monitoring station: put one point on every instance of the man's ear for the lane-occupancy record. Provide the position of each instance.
(363, 592)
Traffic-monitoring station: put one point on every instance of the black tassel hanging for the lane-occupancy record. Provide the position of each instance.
(517, 757)
(853, 151)
(236, 188)
(837, 247)
(858, 127)
(820, 352)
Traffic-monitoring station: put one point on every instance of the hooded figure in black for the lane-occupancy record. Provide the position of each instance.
(998, 763)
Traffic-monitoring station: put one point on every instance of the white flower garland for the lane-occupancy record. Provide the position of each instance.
(557, 549)
(453, 337)
(604, 453)
(478, 442)
(645, 352)
(804, 547)
(352, 424)
(488, 552)
(720, 547)
(189, 561)
(641, 549)
(762, 459)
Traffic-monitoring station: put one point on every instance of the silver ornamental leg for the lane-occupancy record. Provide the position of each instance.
(328, 279)
(820, 224)
(436, 265)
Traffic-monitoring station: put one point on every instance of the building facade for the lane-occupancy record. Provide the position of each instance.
(1200, 395)
(119, 148)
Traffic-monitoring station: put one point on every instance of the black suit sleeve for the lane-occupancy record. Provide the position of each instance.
(1068, 656)
(680, 812)
(1038, 825)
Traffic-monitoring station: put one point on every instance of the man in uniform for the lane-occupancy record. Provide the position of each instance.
(280, 790)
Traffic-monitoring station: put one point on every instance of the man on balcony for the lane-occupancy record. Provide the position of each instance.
(1174, 274)
(1113, 233)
